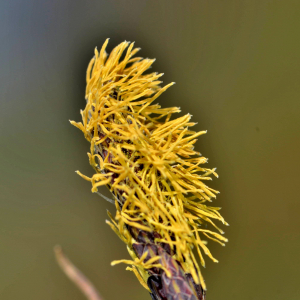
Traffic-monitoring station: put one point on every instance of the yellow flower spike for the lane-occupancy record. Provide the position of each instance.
(147, 160)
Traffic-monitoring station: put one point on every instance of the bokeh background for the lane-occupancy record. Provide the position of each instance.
(237, 68)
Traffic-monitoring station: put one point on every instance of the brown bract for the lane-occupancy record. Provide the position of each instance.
(147, 160)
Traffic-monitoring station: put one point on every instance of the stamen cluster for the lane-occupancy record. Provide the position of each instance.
(147, 160)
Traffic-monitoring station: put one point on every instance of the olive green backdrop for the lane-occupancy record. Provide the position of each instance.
(237, 68)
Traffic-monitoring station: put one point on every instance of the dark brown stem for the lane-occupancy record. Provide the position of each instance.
(179, 286)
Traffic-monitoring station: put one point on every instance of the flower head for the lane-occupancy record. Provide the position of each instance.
(147, 160)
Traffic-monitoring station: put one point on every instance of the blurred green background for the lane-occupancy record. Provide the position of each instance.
(237, 68)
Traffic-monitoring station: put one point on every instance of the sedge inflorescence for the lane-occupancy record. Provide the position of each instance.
(147, 160)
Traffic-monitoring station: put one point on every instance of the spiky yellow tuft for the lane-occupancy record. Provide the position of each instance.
(148, 161)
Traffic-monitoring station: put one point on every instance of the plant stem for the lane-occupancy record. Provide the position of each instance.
(76, 276)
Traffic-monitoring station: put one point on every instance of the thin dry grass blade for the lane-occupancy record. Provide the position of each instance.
(76, 276)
